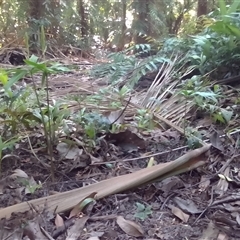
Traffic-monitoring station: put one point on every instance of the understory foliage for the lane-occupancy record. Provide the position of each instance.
(175, 58)
(217, 45)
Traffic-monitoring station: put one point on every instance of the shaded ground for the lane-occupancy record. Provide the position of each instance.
(161, 223)
(181, 207)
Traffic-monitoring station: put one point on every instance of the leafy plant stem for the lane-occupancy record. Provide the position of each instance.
(184, 119)
(45, 128)
(51, 135)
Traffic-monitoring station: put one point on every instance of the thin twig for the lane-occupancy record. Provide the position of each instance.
(143, 157)
(209, 205)
(44, 164)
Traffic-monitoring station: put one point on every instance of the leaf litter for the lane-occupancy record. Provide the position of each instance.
(191, 205)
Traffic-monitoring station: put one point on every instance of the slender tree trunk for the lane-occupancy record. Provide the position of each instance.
(83, 19)
(35, 13)
(202, 7)
(55, 30)
(177, 24)
(141, 18)
(121, 42)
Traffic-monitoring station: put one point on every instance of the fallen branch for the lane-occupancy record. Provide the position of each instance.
(67, 200)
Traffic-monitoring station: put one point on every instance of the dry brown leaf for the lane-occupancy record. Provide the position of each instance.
(223, 182)
(59, 221)
(216, 141)
(222, 236)
(115, 116)
(151, 239)
(187, 205)
(6, 233)
(180, 214)
(205, 122)
(130, 227)
(210, 233)
(204, 183)
(171, 134)
(126, 138)
(75, 231)
(68, 152)
(19, 173)
(49, 237)
(33, 230)
(3, 184)
(171, 183)
(238, 218)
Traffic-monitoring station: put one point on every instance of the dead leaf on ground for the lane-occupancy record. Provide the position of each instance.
(116, 117)
(94, 159)
(75, 230)
(204, 183)
(210, 233)
(19, 173)
(33, 230)
(223, 182)
(126, 139)
(165, 136)
(169, 184)
(187, 205)
(205, 122)
(172, 134)
(151, 239)
(62, 229)
(180, 214)
(130, 227)
(3, 184)
(222, 236)
(238, 218)
(216, 141)
(59, 221)
(81, 161)
(68, 152)
(6, 233)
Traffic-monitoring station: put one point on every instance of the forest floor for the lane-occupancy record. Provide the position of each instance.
(199, 204)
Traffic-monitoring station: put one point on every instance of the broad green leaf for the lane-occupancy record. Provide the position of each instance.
(234, 30)
(143, 71)
(33, 58)
(3, 77)
(223, 8)
(140, 206)
(20, 73)
(218, 117)
(39, 66)
(233, 7)
(226, 114)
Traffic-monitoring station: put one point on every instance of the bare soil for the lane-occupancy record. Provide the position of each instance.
(161, 196)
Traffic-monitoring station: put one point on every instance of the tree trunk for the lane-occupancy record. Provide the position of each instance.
(141, 18)
(121, 42)
(35, 11)
(55, 30)
(202, 7)
(83, 19)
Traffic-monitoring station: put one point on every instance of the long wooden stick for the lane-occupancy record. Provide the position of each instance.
(67, 200)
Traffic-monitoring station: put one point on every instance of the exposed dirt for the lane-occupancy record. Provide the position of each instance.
(180, 207)
(161, 223)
